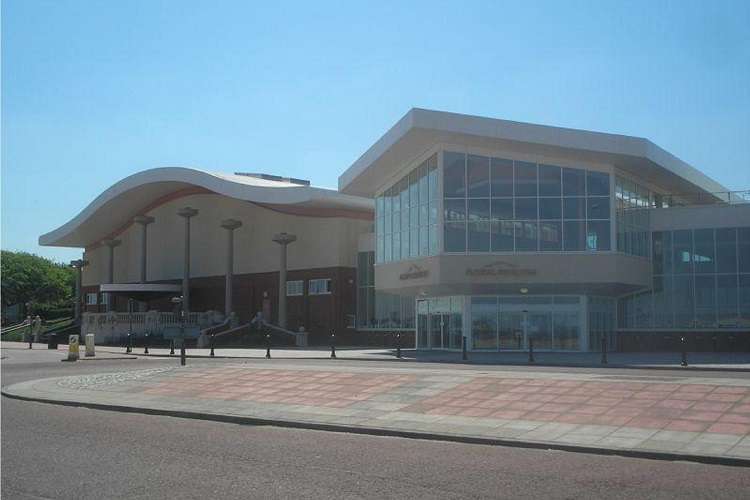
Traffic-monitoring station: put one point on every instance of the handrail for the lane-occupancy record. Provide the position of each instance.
(10, 329)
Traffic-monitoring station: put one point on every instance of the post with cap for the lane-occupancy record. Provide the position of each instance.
(283, 239)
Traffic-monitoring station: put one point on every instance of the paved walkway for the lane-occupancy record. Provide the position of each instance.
(690, 417)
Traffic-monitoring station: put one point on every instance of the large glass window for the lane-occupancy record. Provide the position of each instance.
(502, 205)
(484, 322)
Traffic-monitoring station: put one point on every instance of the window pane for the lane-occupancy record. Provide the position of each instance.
(550, 183)
(682, 251)
(526, 236)
(502, 236)
(454, 175)
(550, 236)
(404, 245)
(397, 246)
(478, 174)
(413, 189)
(479, 236)
(574, 236)
(433, 240)
(726, 300)
(479, 209)
(683, 301)
(574, 208)
(502, 177)
(597, 237)
(743, 244)
(423, 184)
(744, 299)
(502, 208)
(525, 208)
(424, 242)
(455, 237)
(597, 183)
(726, 250)
(598, 208)
(484, 322)
(703, 256)
(550, 208)
(567, 330)
(525, 178)
(413, 241)
(455, 209)
(574, 182)
(433, 177)
(663, 314)
(705, 301)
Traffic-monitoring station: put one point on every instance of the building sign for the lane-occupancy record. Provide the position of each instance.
(414, 272)
(500, 268)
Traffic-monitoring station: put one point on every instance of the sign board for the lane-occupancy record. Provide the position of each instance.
(500, 268)
(414, 272)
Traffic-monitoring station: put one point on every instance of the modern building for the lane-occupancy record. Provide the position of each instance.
(449, 227)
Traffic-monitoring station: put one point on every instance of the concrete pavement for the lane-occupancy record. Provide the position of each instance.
(697, 418)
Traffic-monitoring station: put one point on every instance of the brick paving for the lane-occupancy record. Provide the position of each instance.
(705, 416)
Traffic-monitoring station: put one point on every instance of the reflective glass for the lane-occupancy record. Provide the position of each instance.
(574, 208)
(597, 183)
(683, 301)
(597, 237)
(511, 330)
(484, 322)
(423, 184)
(502, 208)
(550, 236)
(478, 175)
(574, 236)
(726, 250)
(567, 330)
(550, 182)
(743, 248)
(501, 175)
(598, 208)
(705, 301)
(703, 256)
(574, 182)
(744, 298)
(662, 292)
(502, 236)
(454, 175)
(526, 236)
(540, 329)
(433, 177)
(526, 208)
(455, 209)
(479, 236)
(525, 179)
(455, 236)
(726, 300)
(682, 244)
(479, 209)
(550, 208)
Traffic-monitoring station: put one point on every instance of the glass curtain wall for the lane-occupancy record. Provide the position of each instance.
(554, 323)
(379, 310)
(632, 204)
(440, 323)
(501, 205)
(701, 280)
(406, 215)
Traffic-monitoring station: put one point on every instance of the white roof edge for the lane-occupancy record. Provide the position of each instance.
(547, 135)
(234, 186)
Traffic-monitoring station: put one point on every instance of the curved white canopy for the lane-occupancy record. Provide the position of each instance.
(117, 205)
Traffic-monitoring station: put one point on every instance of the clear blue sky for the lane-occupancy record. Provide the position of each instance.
(93, 91)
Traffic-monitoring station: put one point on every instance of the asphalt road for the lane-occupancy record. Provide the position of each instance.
(51, 451)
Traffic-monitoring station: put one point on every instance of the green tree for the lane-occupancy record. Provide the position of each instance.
(29, 278)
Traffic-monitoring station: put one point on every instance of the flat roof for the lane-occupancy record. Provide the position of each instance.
(140, 192)
(421, 129)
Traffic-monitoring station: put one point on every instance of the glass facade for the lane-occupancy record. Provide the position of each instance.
(379, 310)
(406, 216)
(632, 204)
(440, 323)
(501, 205)
(701, 280)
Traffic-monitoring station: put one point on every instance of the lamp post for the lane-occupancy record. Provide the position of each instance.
(28, 318)
(181, 301)
(129, 347)
(78, 265)
(187, 213)
(283, 239)
(111, 244)
(230, 225)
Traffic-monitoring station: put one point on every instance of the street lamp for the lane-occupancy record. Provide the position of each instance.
(28, 318)
(180, 300)
(130, 327)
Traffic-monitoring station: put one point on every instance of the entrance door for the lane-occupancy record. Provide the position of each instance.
(439, 330)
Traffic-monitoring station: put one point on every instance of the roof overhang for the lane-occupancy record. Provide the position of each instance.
(138, 193)
(141, 291)
(421, 129)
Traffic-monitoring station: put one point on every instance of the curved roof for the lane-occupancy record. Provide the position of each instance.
(420, 129)
(140, 192)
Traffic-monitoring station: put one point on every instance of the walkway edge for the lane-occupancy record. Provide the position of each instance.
(379, 431)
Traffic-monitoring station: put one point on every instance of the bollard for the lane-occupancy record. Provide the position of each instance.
(398, 345)
(90, 349)
(268, 346)
(531, 350)
(333, 345)
(183, 354)
(129, 348)
(145, 344)
(171, 348)
(684, 352)
(464, 355)
(212, 345)
(73, 348)
(604, 349)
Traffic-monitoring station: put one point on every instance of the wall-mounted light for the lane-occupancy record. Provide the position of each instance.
(524, 290)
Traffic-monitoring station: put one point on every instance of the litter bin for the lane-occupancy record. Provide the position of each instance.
(52, 341)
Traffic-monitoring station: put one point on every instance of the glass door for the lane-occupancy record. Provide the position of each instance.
(511, 330)
(438, 323)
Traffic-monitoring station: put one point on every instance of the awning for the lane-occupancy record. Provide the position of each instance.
(141, 291)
